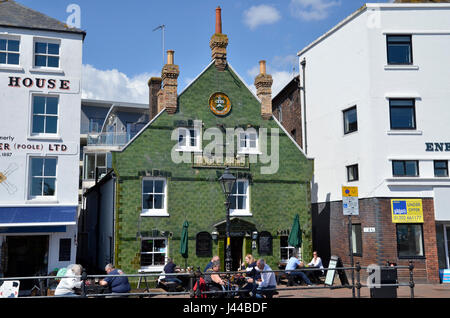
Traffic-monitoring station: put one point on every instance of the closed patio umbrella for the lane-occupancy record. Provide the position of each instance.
(184, 240)
(295, 236)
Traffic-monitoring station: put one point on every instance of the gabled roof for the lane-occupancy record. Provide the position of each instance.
(14, 15)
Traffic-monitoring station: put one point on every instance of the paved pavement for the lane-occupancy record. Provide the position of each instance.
(420, 291)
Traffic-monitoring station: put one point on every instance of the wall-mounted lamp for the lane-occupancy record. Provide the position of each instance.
(215, 236)
(254, 238)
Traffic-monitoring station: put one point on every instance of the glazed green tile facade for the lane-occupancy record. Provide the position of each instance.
(195, 195)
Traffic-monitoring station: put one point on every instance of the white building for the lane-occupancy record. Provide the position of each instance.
(376, 104)
(40, 100)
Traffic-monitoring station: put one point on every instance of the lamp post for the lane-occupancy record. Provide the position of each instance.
(227, 181)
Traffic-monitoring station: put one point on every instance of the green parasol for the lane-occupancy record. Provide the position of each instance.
(295, 236)
(184, 240)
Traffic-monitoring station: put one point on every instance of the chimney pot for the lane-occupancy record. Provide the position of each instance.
(170, 54)
(219, 20)
(262, 67)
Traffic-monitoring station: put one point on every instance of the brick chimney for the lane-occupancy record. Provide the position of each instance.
(263, 84)
(219, 43)
(168, 95)
(154, 86)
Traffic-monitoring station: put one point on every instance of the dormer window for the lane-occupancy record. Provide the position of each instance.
(188, 139)
(248, 142)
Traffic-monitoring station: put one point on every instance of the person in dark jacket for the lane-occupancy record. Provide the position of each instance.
(118, 284)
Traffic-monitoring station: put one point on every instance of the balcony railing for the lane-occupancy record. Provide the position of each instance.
(108, 139)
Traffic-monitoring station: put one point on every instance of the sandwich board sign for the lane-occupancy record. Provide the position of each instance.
(350, 200)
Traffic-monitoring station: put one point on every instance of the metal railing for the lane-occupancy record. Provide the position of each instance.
(229, 291)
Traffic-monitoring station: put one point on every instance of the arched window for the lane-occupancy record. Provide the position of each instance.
(265, 243)
(203, 246)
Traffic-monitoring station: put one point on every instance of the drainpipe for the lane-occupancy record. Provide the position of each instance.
(303, 89)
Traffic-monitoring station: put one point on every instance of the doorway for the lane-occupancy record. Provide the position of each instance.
(236, 252)
(27, 256)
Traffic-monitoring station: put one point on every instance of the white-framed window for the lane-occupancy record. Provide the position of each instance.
(9, 51)
(45, 115)
(286, 251)
(93, 161)
(42, 177)
(154, 197)
(248, 142)
(153, 253)
(47, 53)
(189, 139)
(240, 198)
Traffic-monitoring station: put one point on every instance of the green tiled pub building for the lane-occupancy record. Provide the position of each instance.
(165, 176)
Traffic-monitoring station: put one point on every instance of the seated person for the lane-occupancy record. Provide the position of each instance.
(71, 281)
(316, 262)
(292, 265)
(214, 259)
(214, 281)
(265, 287)
(170, 269)
(252, 274)
(118, 284)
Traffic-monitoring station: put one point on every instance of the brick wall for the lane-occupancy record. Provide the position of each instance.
(378, 247)
(289, 102)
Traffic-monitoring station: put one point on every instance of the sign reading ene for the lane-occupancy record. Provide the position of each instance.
(350, 204)
(407, 211)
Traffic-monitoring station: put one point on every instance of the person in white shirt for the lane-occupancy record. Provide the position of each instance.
(317, 263)
(268, 283)
(71, 280)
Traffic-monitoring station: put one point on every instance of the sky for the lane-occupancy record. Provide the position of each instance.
(122, 51)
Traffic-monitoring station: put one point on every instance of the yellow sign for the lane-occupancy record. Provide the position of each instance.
(220, 104)
(407, 210)
(349, 191)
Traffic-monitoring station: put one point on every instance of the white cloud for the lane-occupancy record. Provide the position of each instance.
(259, 15)
(310, 10)
(114, 85)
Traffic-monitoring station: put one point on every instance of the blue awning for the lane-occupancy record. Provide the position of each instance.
(32, 216)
